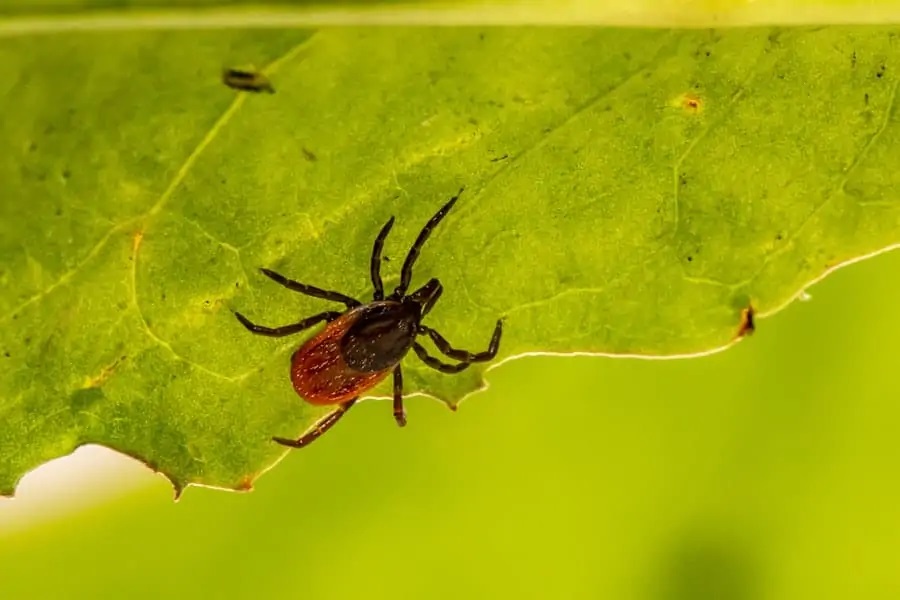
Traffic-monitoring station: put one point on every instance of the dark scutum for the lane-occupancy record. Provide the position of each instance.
(381, 336)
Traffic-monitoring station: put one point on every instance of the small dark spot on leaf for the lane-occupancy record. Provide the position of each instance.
(58, 212)
(7, 354)
(237, 284)
(682, 179)
(223, 181)
(866, 97)
(547, 129)
(278, 242)
(27, 341)
(780, 76)
(83, 399)
(32, 146)
(708, 53)
(690, 258)
(66, 174)
(779, 237)
(853, 59)
(565, 279)
(206, 303)
(880, 72)
(308, 155)
(164, 296)
(386, 258)
(473, 121)
(15, 317)
(481, 36)
(499, 158)
(607, 108)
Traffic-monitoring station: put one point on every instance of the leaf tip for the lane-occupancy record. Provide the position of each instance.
(177, 489)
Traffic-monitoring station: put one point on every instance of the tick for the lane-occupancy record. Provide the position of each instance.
(360, 346)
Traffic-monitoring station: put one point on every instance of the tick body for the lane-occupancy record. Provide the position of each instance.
(354, 352)
(363, 344)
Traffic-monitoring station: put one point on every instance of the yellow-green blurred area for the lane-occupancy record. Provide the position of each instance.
(766, 471)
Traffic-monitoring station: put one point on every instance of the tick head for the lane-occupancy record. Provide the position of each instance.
(427, 295)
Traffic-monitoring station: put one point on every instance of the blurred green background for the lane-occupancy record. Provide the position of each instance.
(766, 471)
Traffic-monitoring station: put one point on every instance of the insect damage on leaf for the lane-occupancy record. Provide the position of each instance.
(248, 81)
(689, 101)
(747, 325)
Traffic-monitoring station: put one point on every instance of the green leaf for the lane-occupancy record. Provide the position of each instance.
(627, 192)
(61, 15)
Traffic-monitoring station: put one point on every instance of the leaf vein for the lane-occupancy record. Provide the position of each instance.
(68, 275)
(665, 48)
(703, 133)
(840, 188)
(220, 124)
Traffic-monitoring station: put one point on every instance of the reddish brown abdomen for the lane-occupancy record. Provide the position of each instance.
(319, 373)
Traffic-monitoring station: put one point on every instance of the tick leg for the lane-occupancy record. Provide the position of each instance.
(320, 427)
(399, 413)
(464, 355)
(375, 265)
(310, 290)
(287, 329)
(406, 273)
(435, 363)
